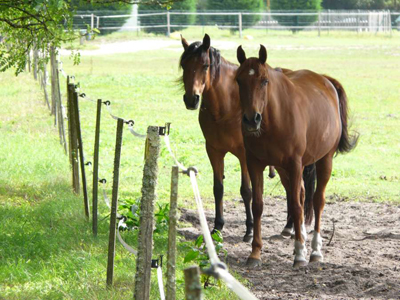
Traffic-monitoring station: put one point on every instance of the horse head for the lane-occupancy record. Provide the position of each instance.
(252, 78)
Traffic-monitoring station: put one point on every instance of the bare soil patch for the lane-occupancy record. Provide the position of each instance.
(362, 261)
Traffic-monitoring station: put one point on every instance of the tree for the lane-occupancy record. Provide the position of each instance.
(25, 24)
(236, 5)
(298, 20)
(360, 4)
(104, 9)
(184, 5)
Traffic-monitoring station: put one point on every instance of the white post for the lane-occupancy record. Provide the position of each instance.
(97, 22)
(319, 23)
(168, 25)
(240, 24)
(91, 22)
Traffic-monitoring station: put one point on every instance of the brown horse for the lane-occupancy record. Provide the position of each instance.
(207, 74)
(290, 120)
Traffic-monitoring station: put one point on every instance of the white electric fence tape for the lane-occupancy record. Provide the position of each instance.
(160, 282)
(121, 223)
(167, 143)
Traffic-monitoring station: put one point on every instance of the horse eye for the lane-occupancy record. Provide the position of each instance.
(264, 82)
(205, 67)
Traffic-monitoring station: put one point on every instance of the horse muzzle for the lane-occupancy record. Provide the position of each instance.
(192, 103)
(252, 125)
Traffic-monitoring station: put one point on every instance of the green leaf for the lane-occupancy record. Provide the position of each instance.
(191, 255)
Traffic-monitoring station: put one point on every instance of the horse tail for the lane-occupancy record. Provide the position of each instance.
(347, 141)
(309, 177)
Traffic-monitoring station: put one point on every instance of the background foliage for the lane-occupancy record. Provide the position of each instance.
(299, 20)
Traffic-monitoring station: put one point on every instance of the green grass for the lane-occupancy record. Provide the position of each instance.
(46, 247)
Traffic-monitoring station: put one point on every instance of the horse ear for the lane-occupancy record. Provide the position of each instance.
(241, 56)
(262, 54)
(185, 44)
(206, 42)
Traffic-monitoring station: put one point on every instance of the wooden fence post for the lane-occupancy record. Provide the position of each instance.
(46, 95)
(53, 85)
(72, 138)
(35, 61)
(96, 168)
(192, 283)
(61, 127)
(81, 155)
(145, 240)
(113, 215)
(173, 216)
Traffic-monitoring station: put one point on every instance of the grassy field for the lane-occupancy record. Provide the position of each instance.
(46, 247)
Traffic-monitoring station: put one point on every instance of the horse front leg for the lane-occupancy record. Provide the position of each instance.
(257, 181)
(217, 162)
(245, 192)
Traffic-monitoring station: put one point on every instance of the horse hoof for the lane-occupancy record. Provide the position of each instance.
(287, 232)
(253, 262)
(248, 238)
(316, 258)
(300, 263)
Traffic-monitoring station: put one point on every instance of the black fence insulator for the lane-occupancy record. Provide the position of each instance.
(154, 263)
(107, 103)
(187, 171)
(103, 180)
(89, 163)
(130, 122)
(82, 95)
(164, 130)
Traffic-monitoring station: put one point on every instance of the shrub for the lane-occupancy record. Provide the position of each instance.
(298, 20)
(102, 10)
(185, 5)
(234, 5)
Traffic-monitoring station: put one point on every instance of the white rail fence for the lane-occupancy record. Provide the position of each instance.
(166, 22)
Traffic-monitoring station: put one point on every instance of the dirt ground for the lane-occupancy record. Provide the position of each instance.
(362, 261)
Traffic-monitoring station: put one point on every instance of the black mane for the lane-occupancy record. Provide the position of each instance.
(196, 49)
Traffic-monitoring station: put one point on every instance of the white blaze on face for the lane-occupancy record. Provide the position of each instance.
(251, 72)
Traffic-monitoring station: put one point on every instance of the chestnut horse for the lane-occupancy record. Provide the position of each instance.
(291, 120)
(208, 75)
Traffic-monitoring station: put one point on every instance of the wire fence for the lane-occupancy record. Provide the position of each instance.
(165, 22)
(218, 269)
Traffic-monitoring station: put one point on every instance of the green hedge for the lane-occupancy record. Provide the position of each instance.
(185, 5)
(299, 5)
(83, 7)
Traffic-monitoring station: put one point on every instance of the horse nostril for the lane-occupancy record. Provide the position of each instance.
(245, 120)
(196, 97)
(257, 118)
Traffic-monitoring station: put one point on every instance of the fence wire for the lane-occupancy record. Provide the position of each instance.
(165, 22)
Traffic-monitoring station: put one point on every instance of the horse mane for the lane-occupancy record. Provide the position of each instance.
(216, 60)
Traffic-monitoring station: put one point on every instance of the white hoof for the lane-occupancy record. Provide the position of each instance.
(287, 232)
(300, 252)
(316, 246)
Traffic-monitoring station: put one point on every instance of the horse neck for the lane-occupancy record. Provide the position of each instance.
(221, 95)
(277, 101)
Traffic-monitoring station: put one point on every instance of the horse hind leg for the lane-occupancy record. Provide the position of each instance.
(324, 170)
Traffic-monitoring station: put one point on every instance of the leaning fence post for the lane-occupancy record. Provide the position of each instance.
(113, 215)
(73, 143)
(192, 283)
(96, 168)
(173, 216)
(145, 240)
(44, 80)
(81, 155)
